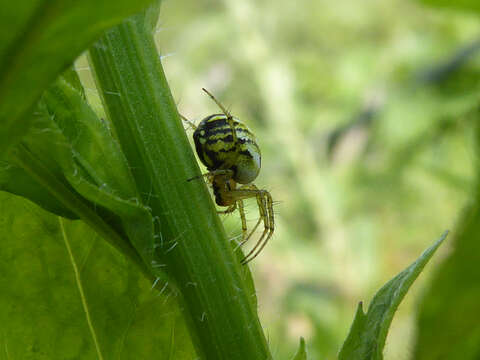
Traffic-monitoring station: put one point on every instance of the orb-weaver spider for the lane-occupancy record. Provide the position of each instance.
(230, 152)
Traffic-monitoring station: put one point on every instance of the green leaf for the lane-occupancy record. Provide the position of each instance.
(59, 175)
(94, 164)
(66, 294)
(40, 39)
(101, 172)
(448, 326)
(368, 332)
(302, 351)
(103, 223)
(469, 5)
(72, 78)
(16, 180)
(93, 147)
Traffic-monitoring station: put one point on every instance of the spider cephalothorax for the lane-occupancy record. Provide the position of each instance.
(230, 152)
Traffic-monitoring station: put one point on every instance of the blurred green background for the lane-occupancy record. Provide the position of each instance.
(364, 112)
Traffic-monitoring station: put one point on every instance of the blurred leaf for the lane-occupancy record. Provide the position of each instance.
(67, 295)
(472, 5)
(302, 351)
(38, 40)
(448, 326)
(367, 335)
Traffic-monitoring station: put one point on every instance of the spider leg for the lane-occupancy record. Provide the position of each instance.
(227, 114)
(245, 239)
(229, 210)
(265, 207)
(224, 110)
(254, 188)
(211, 174)
(241, 210)
(190, 123)
(262, 207)
(269, 222)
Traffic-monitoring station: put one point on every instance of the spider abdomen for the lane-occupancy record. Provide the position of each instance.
(217, 149)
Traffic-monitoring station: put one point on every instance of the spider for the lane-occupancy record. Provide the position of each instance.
(228, 149)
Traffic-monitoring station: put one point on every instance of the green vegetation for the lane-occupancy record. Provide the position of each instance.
(367, 115)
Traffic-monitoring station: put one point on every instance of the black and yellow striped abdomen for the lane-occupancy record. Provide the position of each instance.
(217, 149)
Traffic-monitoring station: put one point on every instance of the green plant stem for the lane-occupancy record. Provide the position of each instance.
(219, 303)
